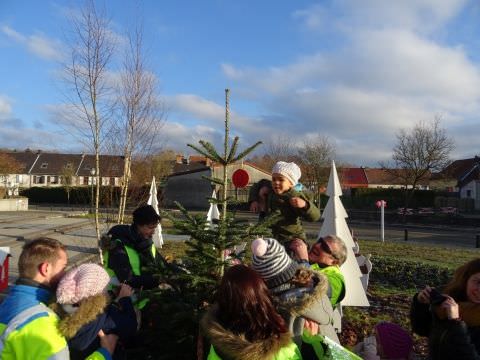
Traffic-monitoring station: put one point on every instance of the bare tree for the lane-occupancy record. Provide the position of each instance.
(159, 165)
(419, 151)
(90, 97)
(278, 148)
(9, 166)
(142, 111)
(315, 156)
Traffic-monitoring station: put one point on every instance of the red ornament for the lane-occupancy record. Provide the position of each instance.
(380, 202)
(240, 178)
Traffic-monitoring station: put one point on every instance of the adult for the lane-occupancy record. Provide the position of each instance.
(451, 319)
(325, 256)
(243, 324)
(131, 255)
(28, 328)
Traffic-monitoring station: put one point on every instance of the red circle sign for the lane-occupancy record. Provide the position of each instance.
(240, 178)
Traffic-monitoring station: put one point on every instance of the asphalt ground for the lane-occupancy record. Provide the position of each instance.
(78, 234)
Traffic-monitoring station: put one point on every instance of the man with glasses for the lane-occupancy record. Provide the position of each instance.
(325, 256)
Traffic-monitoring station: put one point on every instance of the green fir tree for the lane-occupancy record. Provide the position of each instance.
(172, 330)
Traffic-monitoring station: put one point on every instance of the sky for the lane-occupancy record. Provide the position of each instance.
(354, 71)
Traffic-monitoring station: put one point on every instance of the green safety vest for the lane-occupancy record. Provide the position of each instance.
(289, 352)
(335, 280)
(33, 335)
(134, 260)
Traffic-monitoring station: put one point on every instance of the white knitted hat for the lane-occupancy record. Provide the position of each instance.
(272, 262)
(288, 169)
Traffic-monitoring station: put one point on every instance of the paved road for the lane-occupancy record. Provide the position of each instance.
(79, 234)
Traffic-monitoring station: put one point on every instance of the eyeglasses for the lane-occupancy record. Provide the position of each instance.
(325, 247)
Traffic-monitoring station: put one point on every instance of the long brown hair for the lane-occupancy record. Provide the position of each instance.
(457, 287)
(245, 305)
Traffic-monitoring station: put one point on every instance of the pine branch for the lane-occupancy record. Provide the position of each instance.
(233, 150)
(246, 152)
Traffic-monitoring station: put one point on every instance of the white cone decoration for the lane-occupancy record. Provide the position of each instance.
(213, 213)
(334, 223)
(152, 200)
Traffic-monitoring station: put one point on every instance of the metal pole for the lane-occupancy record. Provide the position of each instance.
(405, 235)
(382, 222)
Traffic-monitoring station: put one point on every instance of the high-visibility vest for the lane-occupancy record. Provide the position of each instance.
(134, 260)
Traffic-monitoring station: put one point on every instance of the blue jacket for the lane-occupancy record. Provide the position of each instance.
(28, 294)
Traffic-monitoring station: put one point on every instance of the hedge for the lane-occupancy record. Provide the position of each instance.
(82, 195)
(406, 274)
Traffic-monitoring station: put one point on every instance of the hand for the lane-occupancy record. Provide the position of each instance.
(300, 249)
(311, 326)
(254, 207)
(125, 290)
(108, 341)
(451, 307)
(297, 202)
(424, 295)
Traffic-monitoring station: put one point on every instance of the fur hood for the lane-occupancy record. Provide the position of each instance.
(298, 300)
(230, 346)
(88, 311)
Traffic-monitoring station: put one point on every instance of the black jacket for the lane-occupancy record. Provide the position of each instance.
(447, 339)
(118, 259)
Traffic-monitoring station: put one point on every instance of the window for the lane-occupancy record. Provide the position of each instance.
(469, 193)
(44, 165)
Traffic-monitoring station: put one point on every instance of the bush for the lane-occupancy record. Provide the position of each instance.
(408, 274)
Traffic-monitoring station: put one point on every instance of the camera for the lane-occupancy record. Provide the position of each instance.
(436, 298)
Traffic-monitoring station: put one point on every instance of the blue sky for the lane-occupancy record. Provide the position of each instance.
(356, 72)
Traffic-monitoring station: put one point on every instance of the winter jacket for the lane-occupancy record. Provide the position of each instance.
(296, 304)
(447, 339)
(227, 345)
(289, 226)
(93, 314)
(28, 328)
(125, 239)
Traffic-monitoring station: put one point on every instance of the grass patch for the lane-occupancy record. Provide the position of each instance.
(424, 253)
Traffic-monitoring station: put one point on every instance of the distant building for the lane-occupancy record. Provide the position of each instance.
(188, 186)
(45, 169)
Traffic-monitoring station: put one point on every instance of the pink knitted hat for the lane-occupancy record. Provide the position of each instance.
(81, 282)
(395, 341)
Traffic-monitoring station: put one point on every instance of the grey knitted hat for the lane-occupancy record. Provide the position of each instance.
(288, 169)
(271, 261)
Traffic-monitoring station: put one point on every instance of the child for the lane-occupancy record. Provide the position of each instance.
(300, 293)
(82, 305)
(389, 342)
(293, 205)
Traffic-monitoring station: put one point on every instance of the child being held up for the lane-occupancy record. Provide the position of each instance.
(390, 342)
(293, 205)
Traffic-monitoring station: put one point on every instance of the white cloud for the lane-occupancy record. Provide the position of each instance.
(419, 15)
(37, 44)
(387, 73)
(5, 106)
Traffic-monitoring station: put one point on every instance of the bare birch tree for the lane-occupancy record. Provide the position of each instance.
(89, 93)
(142, 111)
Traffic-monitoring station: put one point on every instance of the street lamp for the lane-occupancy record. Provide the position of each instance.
(92, 172)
